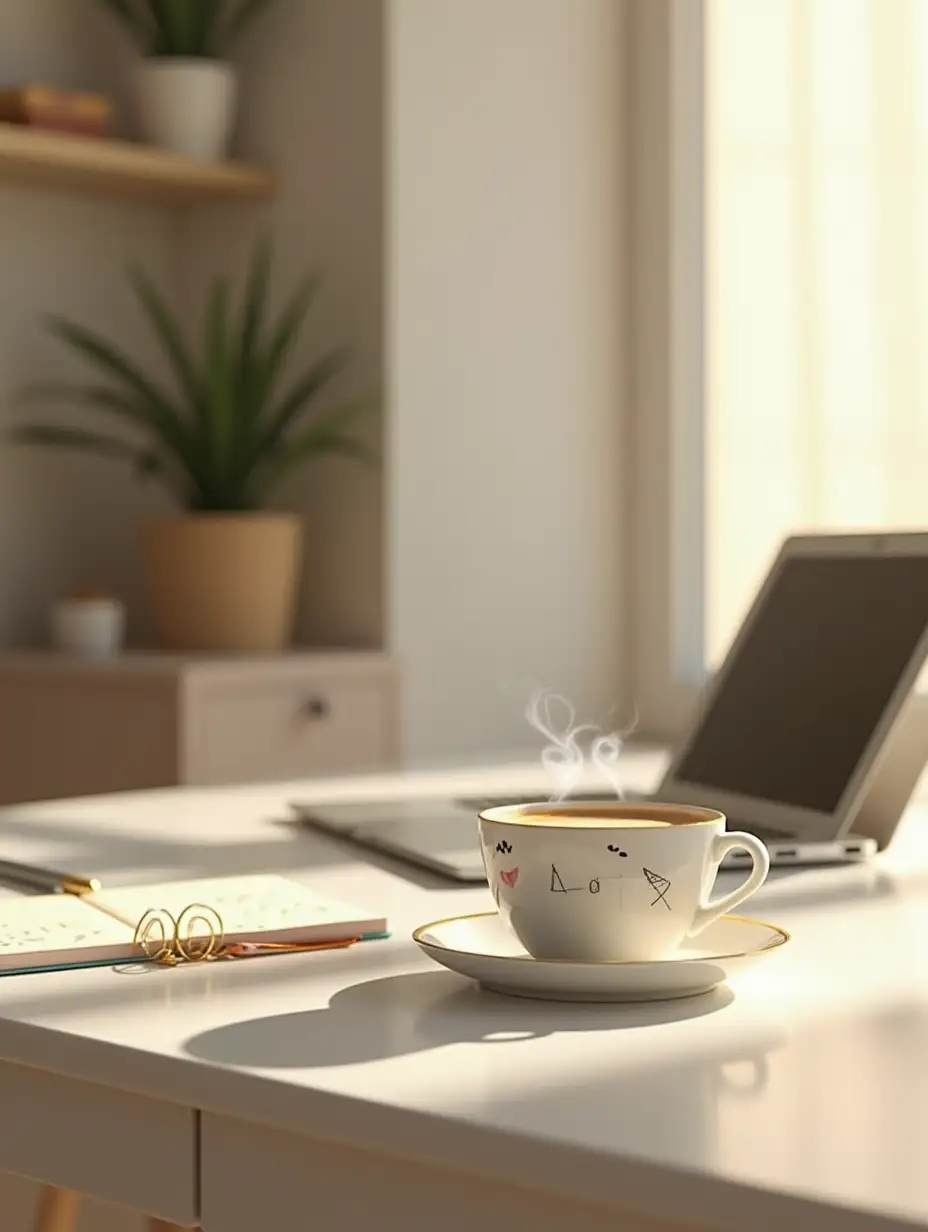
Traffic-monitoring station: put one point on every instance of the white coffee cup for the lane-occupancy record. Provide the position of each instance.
(610, 882)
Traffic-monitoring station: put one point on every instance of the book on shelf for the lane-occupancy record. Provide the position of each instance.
(56, 111)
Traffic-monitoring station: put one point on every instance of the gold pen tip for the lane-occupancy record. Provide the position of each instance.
(81, 885)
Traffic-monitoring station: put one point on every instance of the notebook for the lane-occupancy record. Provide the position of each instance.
(66, 930)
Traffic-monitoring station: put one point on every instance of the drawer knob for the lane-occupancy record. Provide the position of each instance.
(315, 708)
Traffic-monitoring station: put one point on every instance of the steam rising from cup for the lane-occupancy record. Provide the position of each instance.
(563, 757)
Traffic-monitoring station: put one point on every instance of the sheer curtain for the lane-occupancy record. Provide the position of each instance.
(817, 280)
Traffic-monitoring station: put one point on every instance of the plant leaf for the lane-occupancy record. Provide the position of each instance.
(296, 402)
(112, 402)
(247, 362)
(185, 369)
(224, 433)
(138, 28)
(206, 21)
(219, 384)
(300, 451)
(56, 437)
(351, 447)
(327, 436)
(97, 397)
(186, 27)
(159, 416)
(341, 417)
(174, 23)
(283, 337)
(161, 44)
(78, 438)
(169, 333)
(253, 304)
(242, 17)
(146, 462)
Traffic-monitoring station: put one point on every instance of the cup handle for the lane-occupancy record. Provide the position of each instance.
(708, 912)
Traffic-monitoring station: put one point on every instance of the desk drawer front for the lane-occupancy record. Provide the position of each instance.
(255, 1177)
(108, 1144)
(294, 727)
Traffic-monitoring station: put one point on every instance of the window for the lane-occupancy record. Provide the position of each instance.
(808, 303)
(817, 279)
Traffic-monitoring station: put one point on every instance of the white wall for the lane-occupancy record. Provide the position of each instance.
(312, 81)
(66, 520)
(507, 357)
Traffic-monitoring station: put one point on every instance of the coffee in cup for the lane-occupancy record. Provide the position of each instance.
(610, 882)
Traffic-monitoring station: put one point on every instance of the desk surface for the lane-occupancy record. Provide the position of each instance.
(806, 1083)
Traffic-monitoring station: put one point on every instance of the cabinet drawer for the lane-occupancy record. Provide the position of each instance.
(60, 738)
(245, 731)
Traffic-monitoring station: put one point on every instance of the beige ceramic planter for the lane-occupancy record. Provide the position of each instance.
(223, 582)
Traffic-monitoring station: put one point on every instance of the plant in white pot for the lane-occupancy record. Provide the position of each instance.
(186, 89)
(223, 575)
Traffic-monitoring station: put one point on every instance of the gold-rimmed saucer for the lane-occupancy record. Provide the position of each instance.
(482, 948)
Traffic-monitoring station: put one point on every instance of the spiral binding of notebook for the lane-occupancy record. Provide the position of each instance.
(197, 935)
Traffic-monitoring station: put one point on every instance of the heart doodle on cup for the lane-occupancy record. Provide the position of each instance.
(509, 875)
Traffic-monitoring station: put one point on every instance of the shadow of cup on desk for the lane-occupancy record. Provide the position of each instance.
(681, 1100)
(401, 1015)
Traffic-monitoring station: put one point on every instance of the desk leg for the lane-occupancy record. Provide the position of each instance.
(56, 1210)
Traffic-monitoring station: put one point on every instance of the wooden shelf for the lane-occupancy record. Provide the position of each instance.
(103, 167)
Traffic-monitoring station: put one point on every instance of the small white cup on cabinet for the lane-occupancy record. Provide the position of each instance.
(91, 625)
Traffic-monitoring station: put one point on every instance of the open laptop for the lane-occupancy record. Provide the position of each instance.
(810, 735)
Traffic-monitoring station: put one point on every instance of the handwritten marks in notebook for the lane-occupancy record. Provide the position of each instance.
(49, 928)
(260, 904)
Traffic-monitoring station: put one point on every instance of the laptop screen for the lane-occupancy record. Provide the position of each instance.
(807, 687)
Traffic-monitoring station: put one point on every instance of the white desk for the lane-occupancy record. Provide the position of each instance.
(368, 1088)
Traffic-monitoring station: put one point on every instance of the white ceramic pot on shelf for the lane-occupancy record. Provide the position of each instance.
(187, 105)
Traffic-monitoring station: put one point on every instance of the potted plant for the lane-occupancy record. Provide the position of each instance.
(186, 89)
(222, 576)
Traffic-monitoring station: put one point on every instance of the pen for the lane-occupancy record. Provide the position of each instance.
(51, 882)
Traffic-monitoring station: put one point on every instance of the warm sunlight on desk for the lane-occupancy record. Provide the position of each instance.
(817, 280)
